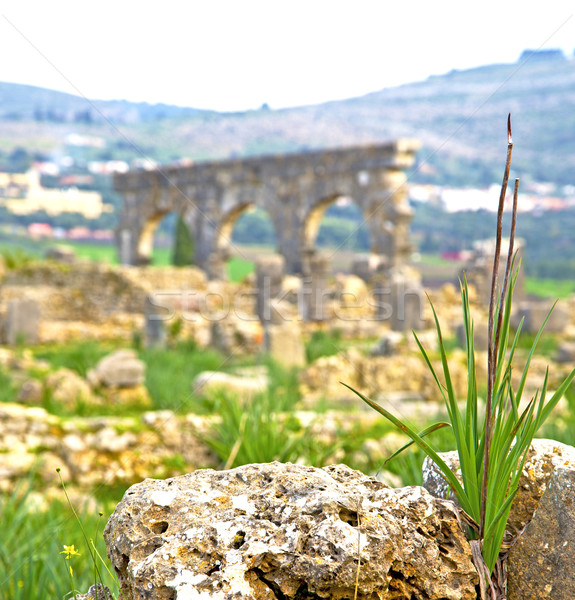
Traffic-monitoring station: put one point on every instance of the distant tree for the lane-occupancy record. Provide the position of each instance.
(83, 116)
(254, 228)
(19, 160)
(183, 250)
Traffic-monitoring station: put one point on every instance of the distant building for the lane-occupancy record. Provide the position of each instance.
(22, 194)
(37, 230)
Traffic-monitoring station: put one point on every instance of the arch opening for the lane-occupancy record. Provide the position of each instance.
(245, 233)
(166, 240)
(337, 224)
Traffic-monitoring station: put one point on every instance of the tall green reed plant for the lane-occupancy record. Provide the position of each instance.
(492, 446)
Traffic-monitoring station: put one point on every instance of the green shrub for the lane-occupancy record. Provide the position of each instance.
(16, 258)
(322, 343)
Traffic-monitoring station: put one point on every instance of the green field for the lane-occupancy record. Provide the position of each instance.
(549, 288)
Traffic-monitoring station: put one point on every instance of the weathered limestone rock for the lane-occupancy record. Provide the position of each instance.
(91, 451)
(535, 312)
(31, 392)
(210, 382)
(122, 368)
(352, 300)
(96, 592)
(61, 253)
(282, 312)
(236, 335)
(365, 266)
(378, 376)
(400, 299)
(480, 334)
(136, 396)
(566, 352)
(388, 345)
(69, 389)
(543, 457)
(287, 531)
(541, 564)
(284, 343)
(22, 321)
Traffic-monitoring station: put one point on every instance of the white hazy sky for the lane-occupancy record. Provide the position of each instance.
(237, 54)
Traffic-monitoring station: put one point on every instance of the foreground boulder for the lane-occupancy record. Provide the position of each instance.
(541, 563)
(120, 369)
(541, 522)
(543, 457)
(287, 531)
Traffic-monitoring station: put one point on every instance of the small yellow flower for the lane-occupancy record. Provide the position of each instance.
(70, 551)
(20, 583)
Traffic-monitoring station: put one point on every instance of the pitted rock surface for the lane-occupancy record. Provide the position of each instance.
(541, 563)
(543, 457)
(285, 531)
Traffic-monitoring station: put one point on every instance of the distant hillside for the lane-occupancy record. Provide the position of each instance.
(26, 102)
(459, 116)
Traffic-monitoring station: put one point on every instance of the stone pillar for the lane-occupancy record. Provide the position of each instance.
(315, 288)
(408, 301)
(269, 278)
(400, 299)
(402, 216)
(284, 343)
(389, 219)
(216, 267)
(22, 322)
(126, 250)
(155, 325)
(204, 230)
(380, 283)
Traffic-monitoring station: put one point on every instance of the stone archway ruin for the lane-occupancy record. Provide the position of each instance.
(294, 189)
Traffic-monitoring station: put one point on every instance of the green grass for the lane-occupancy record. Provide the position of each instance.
(239, 268)
(549, 288)
(104, 253)
(107, 253)
(8, 391)
(547, 345)
(32, 566)
(170, 372)
(79, 356)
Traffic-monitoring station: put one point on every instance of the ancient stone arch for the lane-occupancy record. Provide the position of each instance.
(294, 189)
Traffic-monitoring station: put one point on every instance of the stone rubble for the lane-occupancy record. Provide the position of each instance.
(91, 451)
(287, 531)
